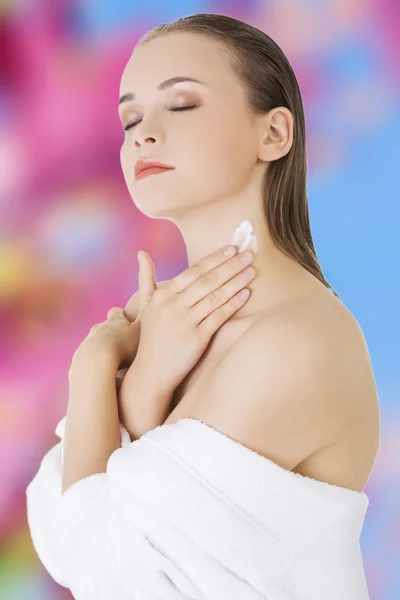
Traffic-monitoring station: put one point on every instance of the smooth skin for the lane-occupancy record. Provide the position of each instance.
(289, 374)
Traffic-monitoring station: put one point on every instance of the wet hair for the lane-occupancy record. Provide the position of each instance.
(269, 82)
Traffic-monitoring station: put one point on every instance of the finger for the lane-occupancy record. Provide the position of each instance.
(193, 273)
(131, 309)
(221, 296)
(211, 281)
(115, 311)
(146, 277)
(218, 317)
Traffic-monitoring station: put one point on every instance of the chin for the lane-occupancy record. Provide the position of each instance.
(157, 206)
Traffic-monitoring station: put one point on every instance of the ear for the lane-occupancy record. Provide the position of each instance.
(276, 134)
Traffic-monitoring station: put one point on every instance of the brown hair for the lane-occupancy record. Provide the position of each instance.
(269, 82)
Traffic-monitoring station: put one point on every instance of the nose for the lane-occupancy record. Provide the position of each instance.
(143, 142)
(148, 132)
(143, 134)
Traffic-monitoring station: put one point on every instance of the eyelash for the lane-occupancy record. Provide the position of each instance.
(176, 109)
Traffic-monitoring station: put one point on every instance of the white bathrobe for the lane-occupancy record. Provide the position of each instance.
(185, 512)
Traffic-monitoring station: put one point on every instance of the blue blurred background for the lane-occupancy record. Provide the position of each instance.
(69, 231)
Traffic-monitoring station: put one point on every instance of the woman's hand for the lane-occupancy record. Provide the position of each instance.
(116, 338)
(178, 320)
(132, 309)
(120, 333)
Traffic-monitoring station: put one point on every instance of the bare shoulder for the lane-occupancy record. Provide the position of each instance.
(296, 382)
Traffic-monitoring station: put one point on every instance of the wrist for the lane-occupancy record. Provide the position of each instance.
(89, 358)
(148, 376)
(142, 404)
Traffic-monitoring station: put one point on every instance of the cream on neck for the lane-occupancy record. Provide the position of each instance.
(244, 239)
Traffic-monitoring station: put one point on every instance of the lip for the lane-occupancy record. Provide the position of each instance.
(144, 164)
(152, 171)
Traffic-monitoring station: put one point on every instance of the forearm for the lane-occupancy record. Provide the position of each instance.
(143, 405)
(92, 431)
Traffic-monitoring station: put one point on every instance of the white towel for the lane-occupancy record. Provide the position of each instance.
(185, 512)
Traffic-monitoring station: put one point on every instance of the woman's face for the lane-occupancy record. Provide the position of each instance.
(212, 147)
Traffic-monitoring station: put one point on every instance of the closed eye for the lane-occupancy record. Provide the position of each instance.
(176, 109)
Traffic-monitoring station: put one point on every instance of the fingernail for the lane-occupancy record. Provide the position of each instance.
(246, 255)
(230, 251)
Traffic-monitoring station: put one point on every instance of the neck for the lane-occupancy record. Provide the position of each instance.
(207, 228)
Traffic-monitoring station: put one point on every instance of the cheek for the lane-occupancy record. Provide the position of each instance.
(222, 154)
(127, 165)
(127, 161)
(214, 169)
(124, 156)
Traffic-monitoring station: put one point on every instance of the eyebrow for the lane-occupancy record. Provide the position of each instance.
(168, 83)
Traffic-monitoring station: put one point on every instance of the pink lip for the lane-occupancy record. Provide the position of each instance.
(147, 163)
(151, 171)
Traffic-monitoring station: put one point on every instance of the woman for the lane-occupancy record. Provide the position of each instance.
(280, 388)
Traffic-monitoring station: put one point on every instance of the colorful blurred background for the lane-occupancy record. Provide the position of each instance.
(69, 231)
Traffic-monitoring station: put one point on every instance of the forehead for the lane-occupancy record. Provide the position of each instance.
(180, 53)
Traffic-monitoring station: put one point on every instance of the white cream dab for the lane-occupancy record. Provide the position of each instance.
(244, 239)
